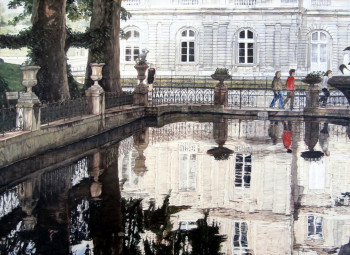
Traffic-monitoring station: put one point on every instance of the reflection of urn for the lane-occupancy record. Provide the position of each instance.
(220, 132)
(312, 130)
(141, 140)
(96, 75)
(28, 195)
(95, 171)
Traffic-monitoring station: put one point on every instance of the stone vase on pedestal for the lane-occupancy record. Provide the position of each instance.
(312, 93)
(96, 92)
(28, 116)
(140, 93)
(221, 91)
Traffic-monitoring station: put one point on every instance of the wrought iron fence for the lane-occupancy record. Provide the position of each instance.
(179, 95)
(8, 119)
(114, 99)
(257, 82)
(64, 110)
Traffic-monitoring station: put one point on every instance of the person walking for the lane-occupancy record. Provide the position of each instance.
(323, 139)
(324, 86)
(290, 89)
(277, 90)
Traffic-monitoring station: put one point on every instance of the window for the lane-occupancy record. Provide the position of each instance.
(187, 180)
(319, 51)
(243, 169)
(188, 46)
(314, 227)
(187, 225)
(188, 166)
(132, 48)
(246, 42)
(240, 239)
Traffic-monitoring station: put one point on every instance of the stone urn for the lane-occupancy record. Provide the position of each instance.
(96, 74)
(140, 93)
(221, 91)
(29, 76)
(341, 83)
(221, 78)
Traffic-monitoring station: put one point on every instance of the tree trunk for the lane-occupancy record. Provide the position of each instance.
(106, 15)
(49, 22)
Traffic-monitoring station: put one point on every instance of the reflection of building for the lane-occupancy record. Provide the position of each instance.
(250, 193)
(321, 225)
(238, 186)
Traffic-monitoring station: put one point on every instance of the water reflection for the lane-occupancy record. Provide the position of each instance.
(164, 191)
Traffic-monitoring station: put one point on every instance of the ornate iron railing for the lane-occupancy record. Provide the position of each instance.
(64, 110)
(181, 95)
(8, 119)
(257, 82)
(114, 99)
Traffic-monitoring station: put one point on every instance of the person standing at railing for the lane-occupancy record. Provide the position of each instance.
(324, 87)
(151, 74)
(290, 89)
(277, 90)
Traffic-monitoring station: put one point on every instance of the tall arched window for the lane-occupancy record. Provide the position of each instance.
(319, 51)
(246, 47)
(188, 40)
(132, 45)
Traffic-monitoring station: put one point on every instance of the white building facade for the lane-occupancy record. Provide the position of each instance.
(249, 37)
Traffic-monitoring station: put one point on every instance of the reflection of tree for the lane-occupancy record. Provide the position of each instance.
(204, 239)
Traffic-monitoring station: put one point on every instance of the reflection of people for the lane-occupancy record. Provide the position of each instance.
(273, 131)
(287, 136)
(277, 93)
(290, 89)
(150, 79)
(323, 139)
(324, 87)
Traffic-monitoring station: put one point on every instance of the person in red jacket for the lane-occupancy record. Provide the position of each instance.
(290, 89)
(287, 136)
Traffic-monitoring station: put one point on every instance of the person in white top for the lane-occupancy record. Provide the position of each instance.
(324, 87)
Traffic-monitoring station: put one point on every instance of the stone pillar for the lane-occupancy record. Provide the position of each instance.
(140, 93)
(312, 97)
(28, 116)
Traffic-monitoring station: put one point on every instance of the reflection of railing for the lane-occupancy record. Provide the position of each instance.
(7, 119)
(114, 99)
(8, 201)
(321, 2)
(63, 110)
